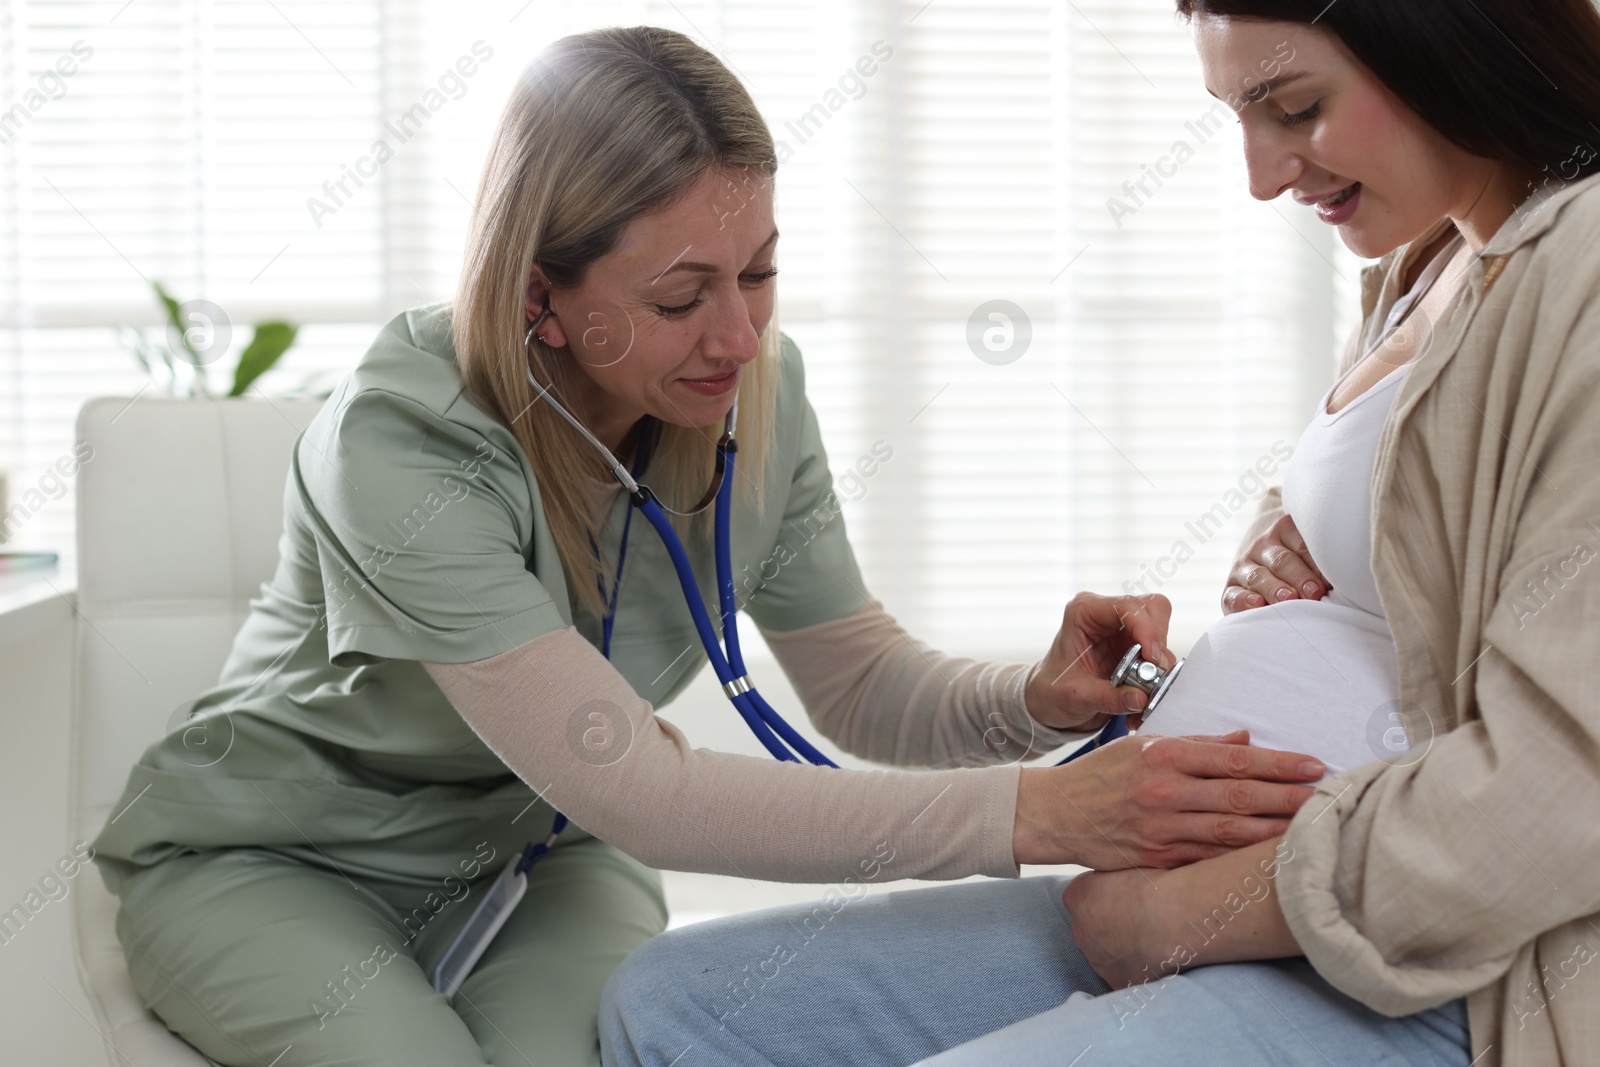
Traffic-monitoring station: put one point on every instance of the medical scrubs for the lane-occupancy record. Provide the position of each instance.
(295, 857)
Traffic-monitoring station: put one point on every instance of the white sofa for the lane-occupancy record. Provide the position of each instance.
(180, 508)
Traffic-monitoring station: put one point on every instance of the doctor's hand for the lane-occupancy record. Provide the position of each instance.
(1159, 801)
(1276, 567)
(1071, 689)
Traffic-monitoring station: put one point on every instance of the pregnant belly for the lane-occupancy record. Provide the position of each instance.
(1307, 676)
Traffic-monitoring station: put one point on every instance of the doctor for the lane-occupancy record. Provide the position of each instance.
(455, 644)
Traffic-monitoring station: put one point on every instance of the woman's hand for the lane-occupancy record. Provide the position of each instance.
(1159, 801)
(1276, 567)
(1136, 926)
(1112, 924)
(1072, 690)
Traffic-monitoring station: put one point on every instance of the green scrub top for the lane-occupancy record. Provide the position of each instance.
(414, 531)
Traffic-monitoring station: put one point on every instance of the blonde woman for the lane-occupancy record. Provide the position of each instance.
(455, 645)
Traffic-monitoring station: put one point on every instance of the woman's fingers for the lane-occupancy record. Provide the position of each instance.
(1289, 568)
(1240, 797)
(1197, 835)
(1207, 759)
(1125, 621)
(1276, 567)
(1147, 619)
(1260, 578)
(1295, 543)
(1283, 552)
(1236, 597)
(1232, 737)
(1159, 802)
(1073, 685)
(1115, 622)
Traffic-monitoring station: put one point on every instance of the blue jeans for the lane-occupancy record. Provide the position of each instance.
(977, 973)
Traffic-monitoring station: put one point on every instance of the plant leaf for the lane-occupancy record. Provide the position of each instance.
(134, 344)
(271, 340)
(176, 322)
(150, 356)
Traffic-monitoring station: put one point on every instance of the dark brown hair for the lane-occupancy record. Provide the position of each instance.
(1513, 80)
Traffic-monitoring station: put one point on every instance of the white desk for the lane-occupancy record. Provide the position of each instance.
(34, 600)
(44, 1013)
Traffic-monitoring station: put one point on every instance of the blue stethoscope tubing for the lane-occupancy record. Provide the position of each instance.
(770, 728)
(1115, 727)
(764, 720)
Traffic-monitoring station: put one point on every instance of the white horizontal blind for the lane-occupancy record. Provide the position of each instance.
(1198, 320)
(217, 145)
(1172, 347)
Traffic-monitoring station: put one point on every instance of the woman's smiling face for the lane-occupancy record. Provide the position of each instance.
(664, 323)
(1327, 131)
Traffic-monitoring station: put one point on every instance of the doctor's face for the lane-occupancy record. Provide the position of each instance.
(665, 322)
(1320, 126)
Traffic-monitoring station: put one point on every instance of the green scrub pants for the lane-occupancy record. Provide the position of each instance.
(256, 958)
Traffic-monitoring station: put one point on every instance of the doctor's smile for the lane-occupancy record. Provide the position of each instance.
(714, 385)
(1333, 802)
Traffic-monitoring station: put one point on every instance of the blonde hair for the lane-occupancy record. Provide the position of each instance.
(601, 128)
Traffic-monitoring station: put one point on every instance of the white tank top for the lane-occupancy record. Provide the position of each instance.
(1328, 491)
(1319, 677)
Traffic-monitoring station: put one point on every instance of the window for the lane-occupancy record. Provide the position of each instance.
(1019, 253)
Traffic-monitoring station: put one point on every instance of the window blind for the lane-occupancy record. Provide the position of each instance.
(943, 163)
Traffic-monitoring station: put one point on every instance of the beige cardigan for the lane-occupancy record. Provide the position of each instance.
(1473, 869)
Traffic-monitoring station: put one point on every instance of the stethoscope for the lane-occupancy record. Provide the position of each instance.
(769, 727)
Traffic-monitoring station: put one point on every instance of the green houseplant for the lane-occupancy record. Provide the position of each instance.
(197, 333)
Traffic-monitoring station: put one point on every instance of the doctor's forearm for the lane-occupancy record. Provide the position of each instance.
(883, 695)
(570, 726)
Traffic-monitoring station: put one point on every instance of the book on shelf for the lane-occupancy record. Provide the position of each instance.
(11, 562)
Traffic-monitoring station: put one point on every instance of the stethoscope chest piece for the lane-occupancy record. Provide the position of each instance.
(1142, 674)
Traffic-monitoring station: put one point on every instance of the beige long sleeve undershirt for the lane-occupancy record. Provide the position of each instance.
(883, 695)
(569, 725)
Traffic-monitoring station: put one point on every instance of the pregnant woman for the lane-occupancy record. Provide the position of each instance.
(1435, 902)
